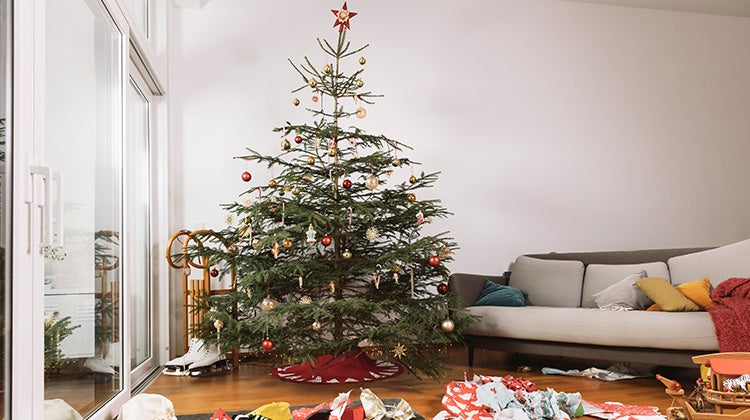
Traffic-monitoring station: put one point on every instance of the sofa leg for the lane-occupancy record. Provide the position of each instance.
(471, 356)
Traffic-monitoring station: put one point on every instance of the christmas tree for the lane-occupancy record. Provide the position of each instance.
(330, 254)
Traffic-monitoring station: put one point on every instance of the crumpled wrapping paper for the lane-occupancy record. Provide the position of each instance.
(376, 410)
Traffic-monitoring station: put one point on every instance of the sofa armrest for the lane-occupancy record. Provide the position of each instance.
(469, 286)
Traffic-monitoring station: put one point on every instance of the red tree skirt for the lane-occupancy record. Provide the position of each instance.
(347, 368)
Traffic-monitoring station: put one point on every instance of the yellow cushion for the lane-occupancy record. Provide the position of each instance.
(665, 295)
(699, 291)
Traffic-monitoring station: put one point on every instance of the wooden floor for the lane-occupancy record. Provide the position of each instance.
(251, 386)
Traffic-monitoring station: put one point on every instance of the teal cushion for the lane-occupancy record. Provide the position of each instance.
(495, 294)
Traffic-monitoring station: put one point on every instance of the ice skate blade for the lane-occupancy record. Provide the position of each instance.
(174, 372)
(219, 368)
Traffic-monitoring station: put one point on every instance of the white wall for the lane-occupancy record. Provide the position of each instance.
(558, 125)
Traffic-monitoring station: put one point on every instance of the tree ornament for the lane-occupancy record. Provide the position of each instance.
(372, 233)
(327, 69)
(315, 98)
(186, 271)
(360, 112)
(396, 162)
(396, 268)
(332, 149)
(313, 83)
(434, 260)
(285, 144)
(326, 240)
(305, 300)
(310, 234)
(295, 101)
(249, 293)
(214, 272)
(420, 218)
(444, 252)
(275, 250)
(316, 326)
(342, 17)
(442, 288)
(229, 219)
(359, 83)
(246, 176)
(412, 179)
(399, 351)
(332, 285)
(267, 344)
(346, 254)
(371, 182)
(346, 184)
(411, 197)
(362, 61)
(267, 304)
(298, 139)
(272, 183)
(310, 160)
(295, 191)
(448, 325)
(287, 243)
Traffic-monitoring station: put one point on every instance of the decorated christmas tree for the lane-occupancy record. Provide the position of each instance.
(331, 254)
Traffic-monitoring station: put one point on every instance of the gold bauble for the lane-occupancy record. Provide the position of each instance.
(272, 183)
(444, 252)
(316, 326)
(411, 197)
(310, 160)
(371, 182)
(285, 144)
(447, 325)
(332, 150)
(295, 191)
(362, 61)
(360, 112)
(287, 188)
(359, 83)
(267, 304)
(396, 268)
(346, 254)
(287, 244)
(295, 101)
(327, 69)
(313, 83)
(412, 179)
(396, 162)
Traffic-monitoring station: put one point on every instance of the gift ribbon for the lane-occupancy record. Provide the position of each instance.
(376, 410)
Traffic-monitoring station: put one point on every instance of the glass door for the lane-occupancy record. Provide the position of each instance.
(4, 197)
(82, 141)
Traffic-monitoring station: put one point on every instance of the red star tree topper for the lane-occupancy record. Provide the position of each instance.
(342, 17)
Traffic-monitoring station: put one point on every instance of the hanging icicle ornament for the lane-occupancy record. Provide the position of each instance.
(218, 324)
(411, 280)
(311, 235)
(301, 279)
(275, 249)
(249, 293)
(332, 285)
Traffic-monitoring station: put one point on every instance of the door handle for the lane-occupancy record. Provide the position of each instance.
(52, 211)
(58, 224)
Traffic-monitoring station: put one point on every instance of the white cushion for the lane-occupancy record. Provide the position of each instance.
(600, 276)
(716, 264)
(548, 282)
(650, 329)
(623, 295)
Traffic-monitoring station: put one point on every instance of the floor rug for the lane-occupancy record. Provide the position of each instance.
(389, 403)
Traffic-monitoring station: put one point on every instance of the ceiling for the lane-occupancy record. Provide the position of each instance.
(713, 7)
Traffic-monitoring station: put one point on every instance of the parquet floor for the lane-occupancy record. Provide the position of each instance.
(250, 386)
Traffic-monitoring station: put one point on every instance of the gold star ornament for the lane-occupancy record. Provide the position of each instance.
(399, 351)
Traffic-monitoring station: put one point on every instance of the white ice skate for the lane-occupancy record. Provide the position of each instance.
(179, 365)
(97, 365)
(211, 363)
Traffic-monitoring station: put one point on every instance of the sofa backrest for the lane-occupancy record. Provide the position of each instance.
(619, 257)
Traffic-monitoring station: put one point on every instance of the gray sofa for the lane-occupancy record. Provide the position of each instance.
(561, 318)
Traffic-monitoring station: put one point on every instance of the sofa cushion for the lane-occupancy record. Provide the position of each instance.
(665, 295)
(548, 282)
(699, 291)
(495, 294)
(600, 276)
(716, 264)
(623, 295)
(657, 330)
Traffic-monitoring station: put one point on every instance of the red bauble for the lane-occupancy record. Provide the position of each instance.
(442, 288)
(246, 176)
(326, 240)
(298, 139)
(267, 344)
(434, 261)
(214, 272)
(347, 184)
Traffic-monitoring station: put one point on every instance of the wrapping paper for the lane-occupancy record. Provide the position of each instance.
(376, 410)
(339, 405)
